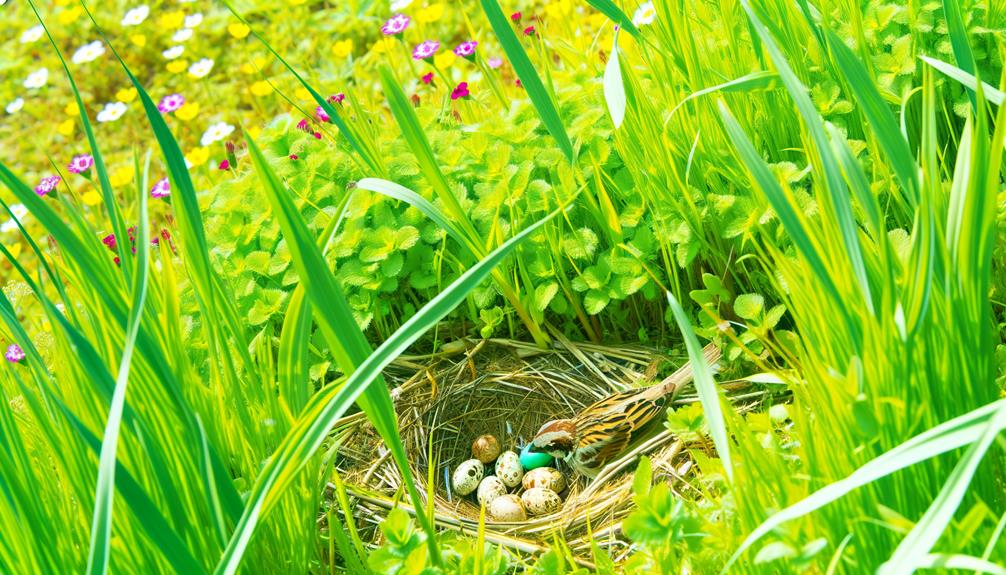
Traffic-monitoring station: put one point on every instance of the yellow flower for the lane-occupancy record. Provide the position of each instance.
(343, 48)
(66, 128)
(138, 40)
(431, 13)
(188, 111)
(15, 250)
(598, 20)
(121, 176)
(303, 94)
(62, 2)
(296, 2)
(238, 29)
(261, 88)
(71, 108)
(91, 197)
(198, 156)
(171, 20)
(69, 15)
(384, 45)
(126, 95)
(559, 10)
(177, 66)
(254, 132)
(444, 59)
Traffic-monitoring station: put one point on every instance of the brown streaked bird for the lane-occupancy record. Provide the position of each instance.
(602, 432)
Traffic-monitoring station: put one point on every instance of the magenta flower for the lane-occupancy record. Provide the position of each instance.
(14, 353)
(293, 156)
(225, 165)
(427, 78)
(466, 49)
(170, 103)
(461, 91)
(336, 98)
(161, 189)
(317, 135)
(529, 31)
(425, 49)
(321, 114)
(80, 163)
(515, 17)
(495, 62)
(47, 184)
(304, 126)
(395, 25)
(109, 242)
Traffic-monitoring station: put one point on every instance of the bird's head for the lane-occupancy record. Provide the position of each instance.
(556, 438)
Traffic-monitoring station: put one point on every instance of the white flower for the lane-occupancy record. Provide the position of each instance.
(19, 212)
(88, 52)
(182, 35)
(399, 5)
(201, 68)
(15, 106)
(215, 133)
(36, 79)
(112, 112)
(193, 20)
(173, 52)
(136, 15)
(32, 34)
(644, 14)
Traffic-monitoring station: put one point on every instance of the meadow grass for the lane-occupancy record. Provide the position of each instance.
(816, 187)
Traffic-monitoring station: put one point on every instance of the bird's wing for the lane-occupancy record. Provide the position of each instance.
(605, 429)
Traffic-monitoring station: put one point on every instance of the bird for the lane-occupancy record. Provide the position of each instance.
(602, 432)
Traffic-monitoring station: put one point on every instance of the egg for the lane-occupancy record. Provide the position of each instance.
(486, 448)
(534, 460)
(490, 488)
(508, 469)
(547, 477)
(507, 508)
(467, 476)
(541, 501)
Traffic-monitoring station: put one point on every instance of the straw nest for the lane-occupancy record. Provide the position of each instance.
(510, 389)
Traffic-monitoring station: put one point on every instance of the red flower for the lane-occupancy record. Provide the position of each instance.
(337, 98)
(225, 165)
(415, 99)
(428, 78)
(461, 91)
(515, 17)
(293, 156)
(529, 31)
(317, 135)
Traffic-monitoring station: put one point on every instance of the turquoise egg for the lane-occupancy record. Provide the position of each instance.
(531, 461)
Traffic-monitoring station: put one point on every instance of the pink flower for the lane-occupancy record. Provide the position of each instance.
(293, 156)
(109, 242)
(225, 165)
(427, 78)
(336, 98)
(529, 31)
(170, 103)
(495, 62)
(425, 49)
(466, 49)
(14, 353)
(161, 189)
(47, 184)
(304, 126)
(461, 91)
(317, 135)
(518, 84)
(515, 17)
(395, 25)
(80, 163)
(321, 114)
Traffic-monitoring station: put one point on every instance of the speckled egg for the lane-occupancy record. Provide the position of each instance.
(507, 508)
(467, 476)
(508, 469)
(490, 488)
(547, 477)
(541, 501)
(534, 460)
(486, 448)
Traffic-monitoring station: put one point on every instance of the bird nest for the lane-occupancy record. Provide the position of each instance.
(509, 390)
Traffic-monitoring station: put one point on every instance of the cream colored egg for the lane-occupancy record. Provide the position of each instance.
(486, 448)
(541, 501)
(547, 477)
(467, 476)
(507, 508)
(508, 469)
(490, 488)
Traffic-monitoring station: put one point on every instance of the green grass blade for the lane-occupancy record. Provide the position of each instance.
(325, 408)
(960, 562)
(959, 41)
(947, 436)
(615, 14)
(614, 88)
(101, 524)
(966, 79)
(528, 76)
(758, 80)
(705, 386)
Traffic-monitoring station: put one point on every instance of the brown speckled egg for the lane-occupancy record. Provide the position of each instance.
(541, 501)
(486, 448)
(467, 476)
(507, 508)
(508, 469)
(547, 477)
(490, 488)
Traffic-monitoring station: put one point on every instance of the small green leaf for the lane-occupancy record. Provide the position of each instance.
(749, 305)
